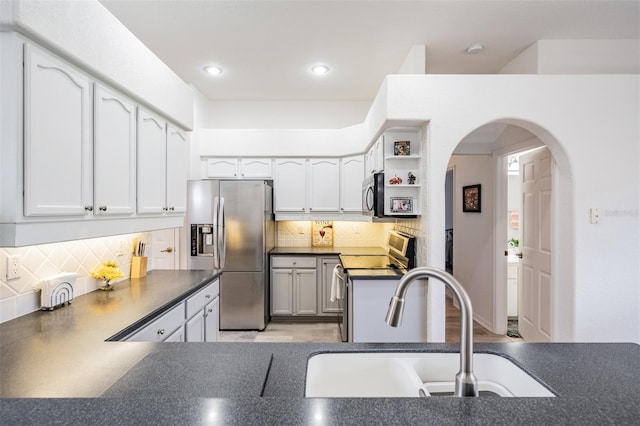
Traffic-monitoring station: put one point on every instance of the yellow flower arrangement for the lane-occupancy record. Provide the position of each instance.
(107, 272)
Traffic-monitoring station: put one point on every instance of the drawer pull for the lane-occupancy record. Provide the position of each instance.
(161, 331)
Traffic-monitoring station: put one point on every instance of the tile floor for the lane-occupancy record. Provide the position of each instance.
(328, 331)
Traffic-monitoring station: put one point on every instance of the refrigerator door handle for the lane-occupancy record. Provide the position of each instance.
(222, 250)
(216, 251)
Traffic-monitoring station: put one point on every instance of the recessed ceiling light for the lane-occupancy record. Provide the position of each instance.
(319, 69)
(213, 69)
(475, 48)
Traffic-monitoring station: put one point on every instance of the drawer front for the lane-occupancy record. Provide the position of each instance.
(293, 262)
(196, 302)
(160, 328)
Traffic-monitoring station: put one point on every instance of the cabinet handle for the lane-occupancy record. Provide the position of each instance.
(161, 332)
(210, 310)
(167, 250)
(88, 208)
(164, 209)
(172, 208)
(207, 296)
(102, 208)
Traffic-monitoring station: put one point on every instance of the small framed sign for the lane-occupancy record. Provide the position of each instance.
(471, 199)
(402, 204)
(322, 233)
(402, 148)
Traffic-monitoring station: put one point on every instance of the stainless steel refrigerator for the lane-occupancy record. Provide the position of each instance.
(232, 228)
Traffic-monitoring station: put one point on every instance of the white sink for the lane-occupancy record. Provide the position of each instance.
(413, 374)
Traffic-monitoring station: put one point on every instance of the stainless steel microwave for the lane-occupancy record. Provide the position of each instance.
(373, 195)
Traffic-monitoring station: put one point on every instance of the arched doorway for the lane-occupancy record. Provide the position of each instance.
(480, 240)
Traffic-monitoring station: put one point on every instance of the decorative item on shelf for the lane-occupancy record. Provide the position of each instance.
(402, 204)
(412, 178)
(402, 148)
(471, 201)
(395, 180)
(322, 233)
(513, 242)
(107, 272)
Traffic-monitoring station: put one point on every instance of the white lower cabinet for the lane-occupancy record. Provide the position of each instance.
(294, 286)
(201, 311)
(202, 314)
(161, 328)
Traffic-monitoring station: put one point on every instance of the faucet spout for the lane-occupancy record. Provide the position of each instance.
(466, 382)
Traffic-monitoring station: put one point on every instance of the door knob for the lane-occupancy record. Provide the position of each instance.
(519, 255)
(167, 250)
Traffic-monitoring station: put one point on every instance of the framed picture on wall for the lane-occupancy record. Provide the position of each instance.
(471, 199)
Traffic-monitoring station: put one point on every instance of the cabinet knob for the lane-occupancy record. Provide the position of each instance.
(102, 208)
(210, 310)
(207, 296)
(172, 208)
(161, 332)
(164, 209)
(88, 208)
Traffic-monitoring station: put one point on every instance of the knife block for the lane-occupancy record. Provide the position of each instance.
(138, 266)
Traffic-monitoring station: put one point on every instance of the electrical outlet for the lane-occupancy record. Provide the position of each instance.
(120, 249)
(13, 267)
(594, 215)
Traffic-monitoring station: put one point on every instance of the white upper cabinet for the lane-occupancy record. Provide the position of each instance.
(324, 183)
(290, 193)
(351, 177)
(374, 160)
(151, 175)
(177, 170)
(222, 167)
(243, 168)
(256, 168)
(57, 137)
(115, 153)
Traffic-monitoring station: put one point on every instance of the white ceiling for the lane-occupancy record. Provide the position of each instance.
(267, 47)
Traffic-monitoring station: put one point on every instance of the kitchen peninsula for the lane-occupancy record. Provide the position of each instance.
(57, 367)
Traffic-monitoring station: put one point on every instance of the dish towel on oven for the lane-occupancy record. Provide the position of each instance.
(336, 283)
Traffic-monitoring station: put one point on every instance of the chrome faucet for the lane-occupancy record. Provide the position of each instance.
(466, 382)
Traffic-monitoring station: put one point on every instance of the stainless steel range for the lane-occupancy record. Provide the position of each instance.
(400, 257)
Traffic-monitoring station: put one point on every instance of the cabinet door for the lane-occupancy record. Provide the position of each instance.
(194, 328)
(256, 168)
(351, 177)
(324, 185)
(212, 320)
(115, 153)
(290, 185)
(151, 170)
(281, 291)
(222, 168)
(306, 290)
(176, 336)
(177, 170)
(58, 153)
(328, 264)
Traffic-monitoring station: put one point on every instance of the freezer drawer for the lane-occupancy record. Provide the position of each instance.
(243, 301)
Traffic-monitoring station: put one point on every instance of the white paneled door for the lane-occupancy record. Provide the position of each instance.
(165, 249)
(535, 315)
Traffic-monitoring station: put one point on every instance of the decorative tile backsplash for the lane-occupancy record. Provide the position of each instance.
(17, 296)
(345, 234)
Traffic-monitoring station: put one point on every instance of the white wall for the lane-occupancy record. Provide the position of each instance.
(285, 115)
(577, 57)
(591, 125)
(473, 253)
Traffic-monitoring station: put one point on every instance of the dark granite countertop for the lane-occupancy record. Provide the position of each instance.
(334, 251)
(54, 367)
